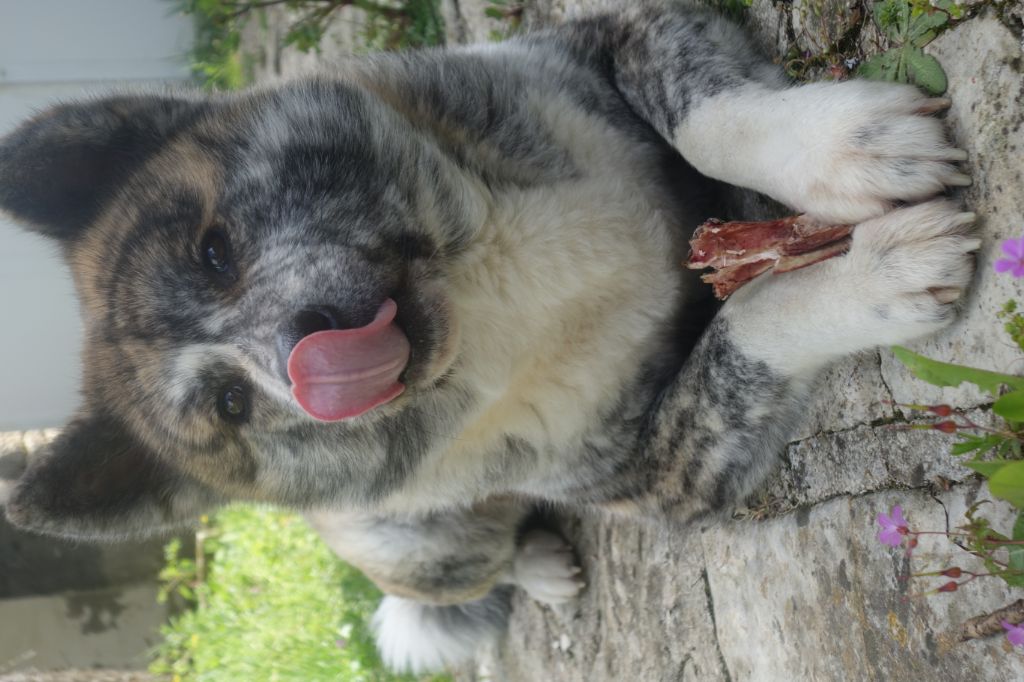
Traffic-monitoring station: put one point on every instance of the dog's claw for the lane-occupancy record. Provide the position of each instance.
(930, 106)
(946, 294)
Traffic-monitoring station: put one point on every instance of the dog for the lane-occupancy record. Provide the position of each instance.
(419, 294)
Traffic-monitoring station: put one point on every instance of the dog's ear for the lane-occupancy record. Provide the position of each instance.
(95, 481)
(58, 169)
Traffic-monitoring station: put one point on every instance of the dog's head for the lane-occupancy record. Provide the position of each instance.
(262, 283)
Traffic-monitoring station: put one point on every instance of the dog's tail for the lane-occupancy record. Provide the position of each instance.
(415, 637)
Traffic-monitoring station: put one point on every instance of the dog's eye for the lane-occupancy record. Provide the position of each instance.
(233, 404)
(215, 251)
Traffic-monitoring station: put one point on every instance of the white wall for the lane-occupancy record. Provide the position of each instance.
(52, 50)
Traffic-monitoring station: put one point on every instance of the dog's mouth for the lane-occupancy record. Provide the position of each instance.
(340, 374)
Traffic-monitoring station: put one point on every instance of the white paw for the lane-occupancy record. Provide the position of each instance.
(850, 150)
(545, 568)
(899, 281)
(906, 270)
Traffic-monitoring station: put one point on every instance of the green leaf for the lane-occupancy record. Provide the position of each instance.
(1008, 484)
(1014, 580)
(923, 27)
(987, 469)
(901, 68)
(880, 67)
(1016, 561)
(903, 18)
(947, 374)
(971, 511)
(949, 7)
(970, 443)
(1010, 406)
(889, 15)
(1018, 528)
(924, 70)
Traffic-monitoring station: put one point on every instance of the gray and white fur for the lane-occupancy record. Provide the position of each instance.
(527, 205)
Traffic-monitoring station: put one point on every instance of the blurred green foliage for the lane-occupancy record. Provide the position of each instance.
(219, 63)
(509, 13)
(269, 602)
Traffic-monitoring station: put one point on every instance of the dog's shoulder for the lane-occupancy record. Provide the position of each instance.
(517, 112)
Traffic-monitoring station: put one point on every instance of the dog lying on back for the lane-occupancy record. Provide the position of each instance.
(420, 292)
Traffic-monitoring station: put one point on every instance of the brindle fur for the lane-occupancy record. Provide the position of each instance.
(526, 206)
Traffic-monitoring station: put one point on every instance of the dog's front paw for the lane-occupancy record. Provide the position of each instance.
(546, 569)
(906, 270)
(860, 146)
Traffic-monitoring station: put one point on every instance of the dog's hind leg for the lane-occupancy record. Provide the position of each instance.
(448, 575)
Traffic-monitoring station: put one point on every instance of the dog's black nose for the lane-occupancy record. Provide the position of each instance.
(309, 320)
(315, 319)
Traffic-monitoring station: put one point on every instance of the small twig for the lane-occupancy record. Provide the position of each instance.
(991, 624)
(994, 541)
(245, 7)
(201, 537)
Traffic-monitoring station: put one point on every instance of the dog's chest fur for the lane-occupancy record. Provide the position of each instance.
(586, 274)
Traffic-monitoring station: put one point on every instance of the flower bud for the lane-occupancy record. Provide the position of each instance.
(953, 572)
(911, 544)
(946, 426)
(949, 587)
(941, 410)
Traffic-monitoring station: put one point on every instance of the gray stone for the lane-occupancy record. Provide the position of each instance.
(13, 459)
(271, 60)
(469, 22)
(982, 59)
(644, 615)
(11, 442)
(36, 440)
(866, 459)
(848, 394)
(819, 25)
(548, 12)
(815, 596)
(770, 27)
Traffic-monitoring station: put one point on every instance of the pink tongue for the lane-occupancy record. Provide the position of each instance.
(343, 373)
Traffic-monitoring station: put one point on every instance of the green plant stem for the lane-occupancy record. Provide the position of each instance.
(994, 541)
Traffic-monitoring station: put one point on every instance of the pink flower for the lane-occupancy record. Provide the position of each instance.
(894, 527)
(1014, 633)
(1014, 248)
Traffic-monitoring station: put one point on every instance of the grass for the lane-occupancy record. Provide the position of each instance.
(271, 602)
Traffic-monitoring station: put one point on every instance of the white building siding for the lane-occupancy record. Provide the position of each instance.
(52, 50)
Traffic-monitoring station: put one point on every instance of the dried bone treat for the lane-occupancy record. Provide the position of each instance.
(740, 251)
